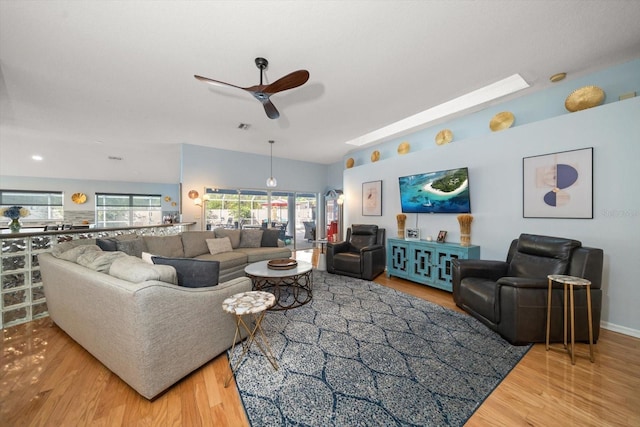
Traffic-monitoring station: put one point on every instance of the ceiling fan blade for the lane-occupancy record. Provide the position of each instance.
(295, 79)
(270, 109)
(216, 82)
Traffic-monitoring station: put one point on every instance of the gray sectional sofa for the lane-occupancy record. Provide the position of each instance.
(247, 246)
(133, 316)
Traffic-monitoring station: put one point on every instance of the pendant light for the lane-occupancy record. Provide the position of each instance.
(271, 182)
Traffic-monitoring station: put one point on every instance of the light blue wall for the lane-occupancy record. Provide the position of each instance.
(210, 167)
(495, 168)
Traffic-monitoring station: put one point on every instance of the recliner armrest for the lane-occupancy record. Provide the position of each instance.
(524, 282)
(338, 247)
(371, 248)
(484, 269)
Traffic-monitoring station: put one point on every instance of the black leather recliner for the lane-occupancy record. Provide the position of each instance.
(361, 255)
(510, 296)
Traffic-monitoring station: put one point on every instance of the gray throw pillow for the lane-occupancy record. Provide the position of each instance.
(133, 247)
(192, 273)
(270, 238)
(108, 244)
(250, 238)
(233, 235)
(99, 260)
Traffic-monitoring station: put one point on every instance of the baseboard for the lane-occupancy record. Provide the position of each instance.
(620, 329)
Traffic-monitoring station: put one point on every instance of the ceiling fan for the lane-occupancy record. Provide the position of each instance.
(262, 92)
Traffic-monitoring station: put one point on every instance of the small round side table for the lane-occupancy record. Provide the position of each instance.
(570, 281)
(255, 304)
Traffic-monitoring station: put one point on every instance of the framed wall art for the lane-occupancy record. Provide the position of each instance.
(558, 185)
(372, 198)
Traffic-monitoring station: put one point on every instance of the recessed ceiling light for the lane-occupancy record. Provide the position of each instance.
(480, 96)
(36, 157)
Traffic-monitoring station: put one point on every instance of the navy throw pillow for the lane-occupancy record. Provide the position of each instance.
(192, 273)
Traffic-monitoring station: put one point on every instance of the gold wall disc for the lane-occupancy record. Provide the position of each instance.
(445, 136)
(583, 98)
(404, 148)
(350, 162)
(79, 198)
(501, 121)
(375, 156)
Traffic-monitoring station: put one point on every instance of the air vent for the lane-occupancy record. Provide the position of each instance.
(244, 126)
(115, 158)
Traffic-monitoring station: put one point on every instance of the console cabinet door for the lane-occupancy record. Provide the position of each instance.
(397, 258)
(444, 260)
(422, 259)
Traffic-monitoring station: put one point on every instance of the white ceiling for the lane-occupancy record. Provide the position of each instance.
(83, 80)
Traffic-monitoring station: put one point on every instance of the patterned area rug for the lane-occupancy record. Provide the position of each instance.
(363, 354)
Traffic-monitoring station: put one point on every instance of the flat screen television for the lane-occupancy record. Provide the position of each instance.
(445, 191)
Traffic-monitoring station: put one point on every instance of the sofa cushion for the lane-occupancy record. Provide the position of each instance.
(133, 247)
(250, 238)
(135, 270)
(263, 254)
(99, 260)
(217, 246)
(270, 238)
(195, 242)
(108, 244)
(73, 253)
(227, 260)
(233, 235)
(168, 246)
(192, 273)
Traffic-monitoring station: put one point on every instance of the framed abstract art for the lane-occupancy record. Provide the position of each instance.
(558, 185)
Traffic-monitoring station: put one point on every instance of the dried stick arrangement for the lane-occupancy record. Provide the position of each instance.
(465, 229)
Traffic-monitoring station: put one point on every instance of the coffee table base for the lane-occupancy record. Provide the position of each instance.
(290, 292)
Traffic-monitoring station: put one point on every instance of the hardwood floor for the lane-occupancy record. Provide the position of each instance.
(46, 379)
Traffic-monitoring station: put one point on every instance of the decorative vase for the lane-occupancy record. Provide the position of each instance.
(14, 225)
(401, 218)
(465, 229)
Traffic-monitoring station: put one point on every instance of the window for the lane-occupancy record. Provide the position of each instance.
(42, 205)
(125, 210)
(235, 208)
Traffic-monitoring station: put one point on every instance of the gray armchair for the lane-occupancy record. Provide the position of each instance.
(510, 296)
(361, 255)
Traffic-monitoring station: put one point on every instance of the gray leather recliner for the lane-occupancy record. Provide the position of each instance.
(361, 255)
(510, 296)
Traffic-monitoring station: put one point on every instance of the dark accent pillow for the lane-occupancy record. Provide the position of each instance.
(109, 244)
(250, 238)
(270, 238)
(192, 273)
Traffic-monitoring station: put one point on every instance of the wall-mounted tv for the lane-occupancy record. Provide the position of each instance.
(445, 191)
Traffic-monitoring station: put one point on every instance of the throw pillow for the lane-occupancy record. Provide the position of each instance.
(146, 257)
(169, 246)
(192, 273)
(99, 260)
(108, 244)
(133, 247)
(250, 238)
(270, 237)
(58, 249)
(233, 235)
(195, 242)
(133, 269)
(217, 246)
(73, 253)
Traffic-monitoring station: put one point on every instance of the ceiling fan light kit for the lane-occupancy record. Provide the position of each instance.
(263, 92)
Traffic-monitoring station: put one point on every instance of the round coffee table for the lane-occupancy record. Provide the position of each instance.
(292, 287)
